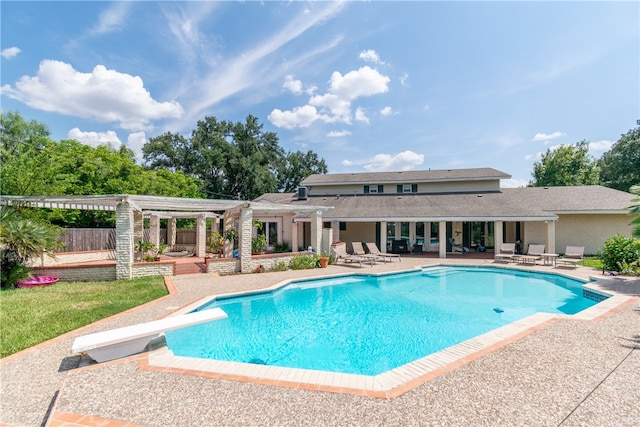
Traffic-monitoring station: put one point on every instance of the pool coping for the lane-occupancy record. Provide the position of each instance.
(389, 384)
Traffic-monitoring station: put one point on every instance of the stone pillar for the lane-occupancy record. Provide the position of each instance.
(138, 226)
(412, 233)
(228, 225)
(244, 239)
(335, 229)
(201, 236)
(154, 230)
(124, 240)
(294, 236)
(171, 233)
(498, 238)
(551, 237)
(316, 230)
(442, 238)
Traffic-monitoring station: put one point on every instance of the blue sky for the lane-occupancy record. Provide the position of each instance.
(368, 86)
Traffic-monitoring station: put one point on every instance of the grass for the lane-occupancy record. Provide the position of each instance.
(31, 316)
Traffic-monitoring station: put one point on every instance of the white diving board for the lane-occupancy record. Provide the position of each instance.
(122, 342)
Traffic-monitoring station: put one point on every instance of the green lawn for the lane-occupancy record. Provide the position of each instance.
(31, 316)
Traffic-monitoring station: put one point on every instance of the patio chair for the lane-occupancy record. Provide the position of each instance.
(572, 256)
(373, 249)
(506, 252)
(534, 253)
(340, 253)
(457, 247)
(358, 249)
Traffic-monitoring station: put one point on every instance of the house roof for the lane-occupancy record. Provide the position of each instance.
(405, 176)
(512, 204)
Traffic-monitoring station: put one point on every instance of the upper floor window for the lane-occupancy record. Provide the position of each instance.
(407, 188)
(373, 189)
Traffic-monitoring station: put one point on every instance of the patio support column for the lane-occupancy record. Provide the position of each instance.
(124, 240)
(244, 239)
(412, 233)
(383, 237)
(154, 229)
(498, 237)
(138, 226)
(294, 236)
(171, 233)
(335, 229)
(442, 238)
(201, 236)
(316, 230)
(228, 225)
(551, 237)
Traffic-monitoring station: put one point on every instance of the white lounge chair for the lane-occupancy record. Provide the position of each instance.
(341, 254)
(373, 250)
(358, 249)
(506, 252)
(572, 256)
(122, 342)
(534, 253)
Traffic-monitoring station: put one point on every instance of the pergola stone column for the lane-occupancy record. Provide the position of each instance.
(442, 238)
(154, 230)
(171, 232)
(124, 240)
(244, 239)
(138, 226)
(201, 236)
(294, 236)
(335, 230)
(228, 224)
(383, 237)
(551, 237)
(316, 230)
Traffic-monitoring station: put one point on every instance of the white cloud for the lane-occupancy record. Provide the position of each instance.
(111, 19)
(361, 116)
(298, 117)
(335, 105)
(10, 52)
(94, 139)
(387, 111)
(135, 142)
(338, 134)
(403, 161)
(294, 86)
(600, 146)
(104, 95)
(403, 79)
(370, 55)
(346, 163)
(547, 137)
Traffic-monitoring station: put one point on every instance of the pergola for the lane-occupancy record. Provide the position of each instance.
(131, 209)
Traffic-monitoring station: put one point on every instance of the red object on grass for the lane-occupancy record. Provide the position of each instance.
(37, 281)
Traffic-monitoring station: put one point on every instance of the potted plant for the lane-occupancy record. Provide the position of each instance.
(216, 243)
(323, 260)
(159, 251)
(145, 249)
(259, 242)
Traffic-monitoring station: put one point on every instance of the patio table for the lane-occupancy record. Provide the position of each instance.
(550, 259)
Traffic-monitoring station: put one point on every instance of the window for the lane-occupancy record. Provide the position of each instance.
(407, 188)
(373, 189)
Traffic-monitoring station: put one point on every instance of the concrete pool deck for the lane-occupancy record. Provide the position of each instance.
(559, 372)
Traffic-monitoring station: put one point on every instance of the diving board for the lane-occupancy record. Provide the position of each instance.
(122, 342)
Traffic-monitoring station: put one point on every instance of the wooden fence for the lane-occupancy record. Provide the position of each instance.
(96, 239)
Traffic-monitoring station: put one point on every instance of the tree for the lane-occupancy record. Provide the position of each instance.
(566, 165)
(635, 211)
(298, 166)
(620, 166)
(232, 160)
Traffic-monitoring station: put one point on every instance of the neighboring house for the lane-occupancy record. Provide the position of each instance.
(430, 208)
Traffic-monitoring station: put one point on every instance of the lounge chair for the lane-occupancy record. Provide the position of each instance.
(457, 247)
(122, 342)
(572, 256)
(358, 249)
(373, 250)
(534, 253)
(340, 253)
(506, 252)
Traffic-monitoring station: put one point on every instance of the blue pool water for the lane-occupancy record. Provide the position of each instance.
(369, 324)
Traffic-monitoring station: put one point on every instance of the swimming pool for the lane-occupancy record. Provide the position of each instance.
(366, 324)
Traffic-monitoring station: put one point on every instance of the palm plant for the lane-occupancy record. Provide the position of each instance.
(22, 239)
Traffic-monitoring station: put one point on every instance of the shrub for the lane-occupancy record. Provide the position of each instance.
(621, 254)
(279, 266)
(304, 262)
(280, 247)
